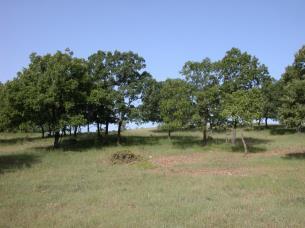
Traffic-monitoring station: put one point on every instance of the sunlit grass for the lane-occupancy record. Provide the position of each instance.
(77, 186)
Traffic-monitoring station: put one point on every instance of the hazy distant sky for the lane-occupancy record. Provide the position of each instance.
(166, 33)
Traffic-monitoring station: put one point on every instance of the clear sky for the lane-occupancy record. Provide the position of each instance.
(166, 33)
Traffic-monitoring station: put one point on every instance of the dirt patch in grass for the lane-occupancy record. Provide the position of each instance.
(171, 165)
(170, 161)
(167, 165)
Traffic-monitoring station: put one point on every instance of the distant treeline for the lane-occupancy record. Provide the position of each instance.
(58, 93)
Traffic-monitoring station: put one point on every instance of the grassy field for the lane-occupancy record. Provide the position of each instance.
(178, 182)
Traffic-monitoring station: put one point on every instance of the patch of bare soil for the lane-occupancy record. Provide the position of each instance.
(170, 161)
(168, 164)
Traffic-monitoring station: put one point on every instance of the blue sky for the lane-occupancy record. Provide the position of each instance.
(166, 33)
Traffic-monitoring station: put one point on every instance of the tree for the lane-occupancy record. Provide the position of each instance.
(51, 90)
(271, 92)
(176, 105)
(203, 78)
(101, 100)
(129, 78)
(200, 74)
(4, 110)
(208, 107)
(292, 111)
(241, 108)
(151, 97)
(241, 71)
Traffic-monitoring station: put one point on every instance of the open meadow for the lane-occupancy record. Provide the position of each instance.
(176, 183)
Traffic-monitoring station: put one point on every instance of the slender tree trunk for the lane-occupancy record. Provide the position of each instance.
(119, 132)
(259, 122)
(204, 133)
(64, 131)
(234, 133)
(106, 129)
(98, 129)
(70, 130)
(42, 131)
(50, 131)
(56, 139)
(75, 131)
(244, 143)
(266, 122)
(88, 127)
(169, 134)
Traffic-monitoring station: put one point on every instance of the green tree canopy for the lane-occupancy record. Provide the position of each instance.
(292, 111)
(176, 104)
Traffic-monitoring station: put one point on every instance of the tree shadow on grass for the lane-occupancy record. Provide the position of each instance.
(184, 142)
(86, 142)
(282, 131)
(83, 143)
(296, 155)
(18, 140)
(12, 162)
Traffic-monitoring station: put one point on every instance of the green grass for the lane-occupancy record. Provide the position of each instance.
(212, 185)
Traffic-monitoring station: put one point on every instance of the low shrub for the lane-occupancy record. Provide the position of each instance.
(124, 156)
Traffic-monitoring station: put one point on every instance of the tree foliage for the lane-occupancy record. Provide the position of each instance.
(59, 92)
(292, 110)
(176, 104)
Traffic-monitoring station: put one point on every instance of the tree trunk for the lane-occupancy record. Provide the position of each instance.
(266, 122)
(88, 127)
(64, 131)
(119, 132)
(259, 122)
(106, 129)
(244, 143)
(56, 139)
(204, 133)
(75, 131)
(234, 134)
(70, 130)
(50, 131)
(42, 131)
(98, 129)
(169, 134)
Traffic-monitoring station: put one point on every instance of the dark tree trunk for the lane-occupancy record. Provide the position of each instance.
(56, 139)
(169, 134)
(106, 129)
(259, 122)
(70, 130)
(98, 129)
(75, 131)
(204, 133)
(88, 127)
(42, 131)
(64, 131)
(234, 133)
(266, 122)
(244, 143)
(119, 132)
(50, 131)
